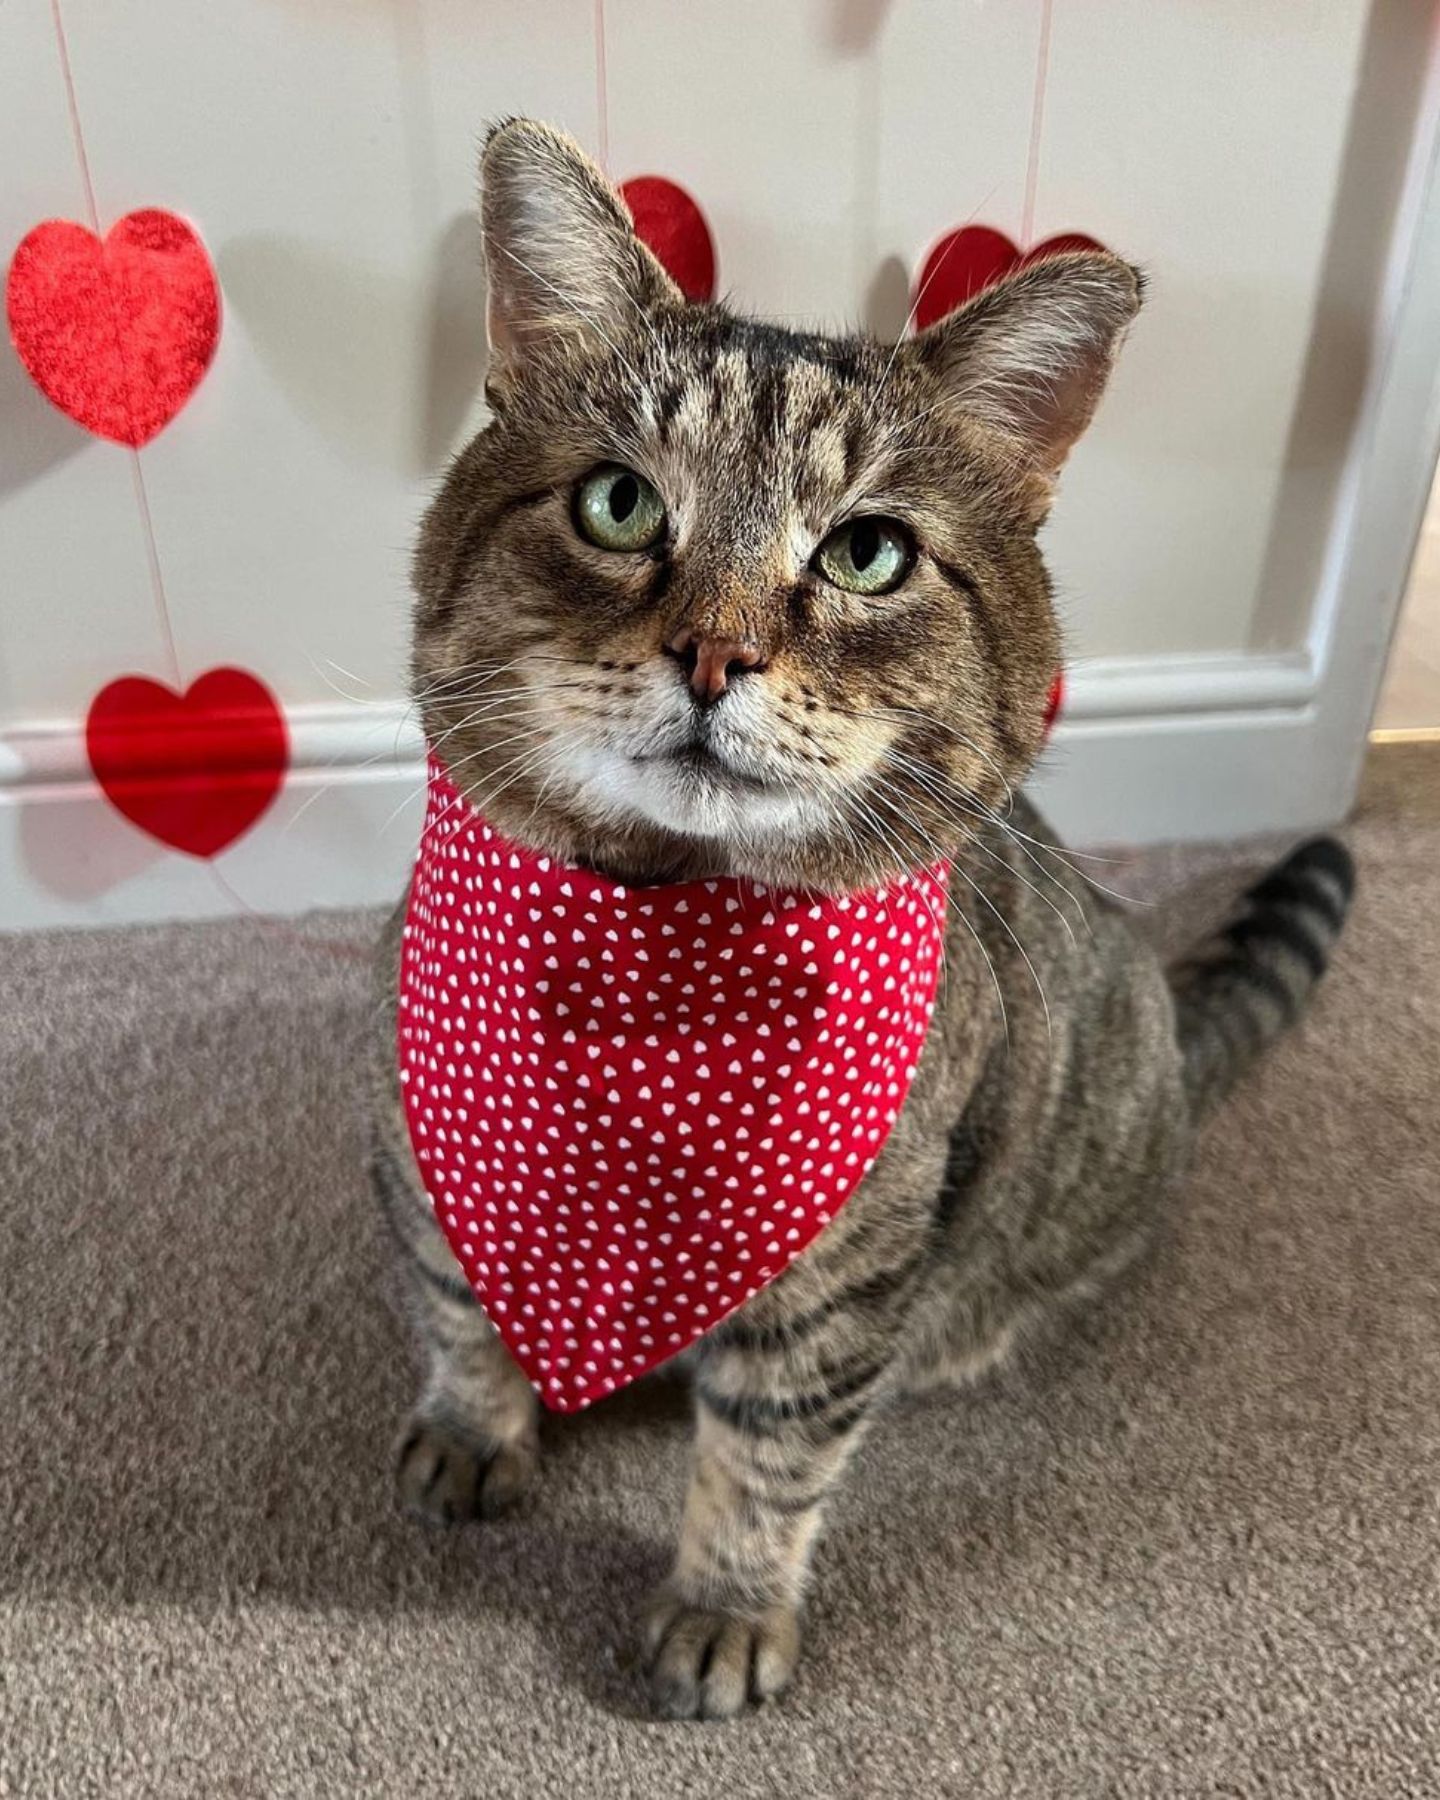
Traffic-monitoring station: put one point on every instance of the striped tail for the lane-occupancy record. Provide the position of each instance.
(1253, 981)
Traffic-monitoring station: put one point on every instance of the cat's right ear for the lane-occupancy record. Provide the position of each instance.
(562, 260)
(1030, 356)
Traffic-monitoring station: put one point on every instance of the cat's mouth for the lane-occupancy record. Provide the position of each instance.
(698, 760)
(684, 781)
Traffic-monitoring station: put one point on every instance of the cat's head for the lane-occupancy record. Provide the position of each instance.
(712, 596)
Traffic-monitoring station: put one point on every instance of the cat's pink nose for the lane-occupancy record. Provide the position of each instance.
(712, 663)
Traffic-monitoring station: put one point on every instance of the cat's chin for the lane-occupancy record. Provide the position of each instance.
(709, 805)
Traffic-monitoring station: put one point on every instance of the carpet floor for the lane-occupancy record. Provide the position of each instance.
(1192, 1553)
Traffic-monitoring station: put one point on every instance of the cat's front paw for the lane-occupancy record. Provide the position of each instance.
(708, 1663)
(444, 1475)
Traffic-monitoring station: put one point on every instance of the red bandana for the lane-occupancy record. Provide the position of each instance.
(634, 1107)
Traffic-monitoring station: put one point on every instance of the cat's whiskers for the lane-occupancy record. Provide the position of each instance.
(529, 761)
(904, 863)
(972, 840)
(902, 713)
(961, 803)
(451, 770)
(980, 894)
(392, 754)
(985, 899)
(335, 688)
(874, 871)
(488, 750)
(965, 798)
(471, 678)
(1064, 858)
(486, 713)
(460, 799)
(520, 699)
(979, 945)
(937, 856)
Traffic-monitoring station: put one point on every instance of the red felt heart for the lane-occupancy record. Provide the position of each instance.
(672, 226)
(195, 770)
(116, 333)
(965, 261)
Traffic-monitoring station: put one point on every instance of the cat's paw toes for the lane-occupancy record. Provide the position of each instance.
(445, 1476)
(711, 1664)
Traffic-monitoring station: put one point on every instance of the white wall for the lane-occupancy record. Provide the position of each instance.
(326, 151)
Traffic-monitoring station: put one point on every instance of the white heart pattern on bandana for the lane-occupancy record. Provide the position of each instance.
(634, 1107)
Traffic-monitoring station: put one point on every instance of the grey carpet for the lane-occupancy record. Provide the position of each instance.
(1194, 1553)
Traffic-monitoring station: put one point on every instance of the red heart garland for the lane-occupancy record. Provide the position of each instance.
(195, 770)
(672, 226)
(965, 261)
(116, 333)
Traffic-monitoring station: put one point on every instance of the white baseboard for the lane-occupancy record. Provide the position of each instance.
(1150, 749)
(1139, 687)
(1154, 750)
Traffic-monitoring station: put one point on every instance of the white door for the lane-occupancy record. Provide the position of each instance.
(1273, 738)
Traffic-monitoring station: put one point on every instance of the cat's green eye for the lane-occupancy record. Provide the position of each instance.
(618, 509)
(866, 556)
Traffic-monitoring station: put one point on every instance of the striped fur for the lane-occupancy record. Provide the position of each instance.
(1245, 988)
(1056, 1099)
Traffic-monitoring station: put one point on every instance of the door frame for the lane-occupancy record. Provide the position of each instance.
(1274, 740)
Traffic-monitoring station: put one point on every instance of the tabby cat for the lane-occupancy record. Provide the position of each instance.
(707, 597)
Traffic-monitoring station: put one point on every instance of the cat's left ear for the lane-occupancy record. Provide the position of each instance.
(562, 261)
(1030, 356)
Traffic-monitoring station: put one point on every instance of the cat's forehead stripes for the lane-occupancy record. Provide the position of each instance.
(766, 414)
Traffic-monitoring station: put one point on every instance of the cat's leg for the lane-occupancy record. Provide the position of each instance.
(780, 1409)
(469, 1445)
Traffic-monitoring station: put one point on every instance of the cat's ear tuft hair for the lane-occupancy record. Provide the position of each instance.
(1030, 356)
(562, 260)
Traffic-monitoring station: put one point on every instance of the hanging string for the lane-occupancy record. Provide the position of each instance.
(157, 578)
(602, 88)
(75, 130)
(277, 929)
(271, 927)
(1037, 126)
(142, 499)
